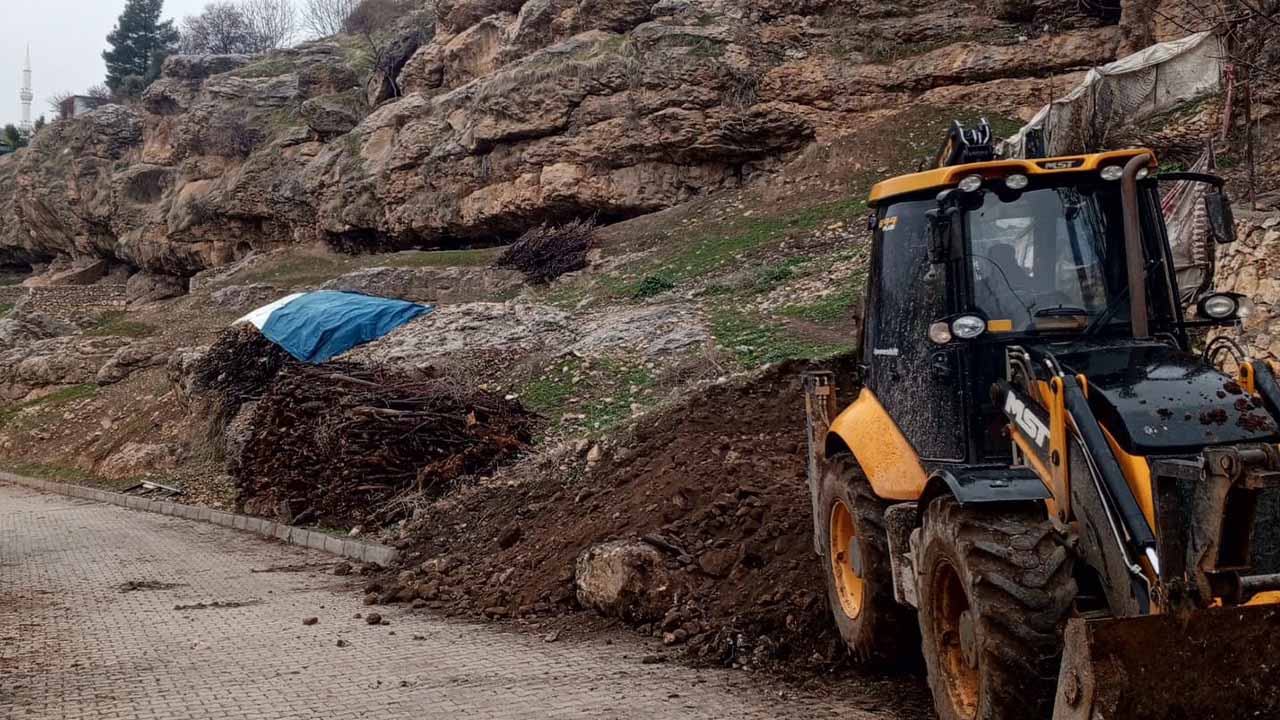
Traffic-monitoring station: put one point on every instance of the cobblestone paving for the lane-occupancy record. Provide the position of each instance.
(78, 641)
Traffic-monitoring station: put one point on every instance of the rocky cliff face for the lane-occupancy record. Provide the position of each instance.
(513, 113)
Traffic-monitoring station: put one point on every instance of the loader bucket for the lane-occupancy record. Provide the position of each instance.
(1209, 664)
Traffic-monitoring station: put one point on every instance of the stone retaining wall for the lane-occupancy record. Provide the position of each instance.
(70, 302)
(1251, 266)
(11, 294)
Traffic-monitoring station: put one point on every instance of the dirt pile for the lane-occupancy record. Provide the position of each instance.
(341, 444)
(548, 251)
(716, 484)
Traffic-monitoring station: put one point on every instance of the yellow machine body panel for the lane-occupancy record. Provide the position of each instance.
(1137, 472)
(882, 451)
(943, 177)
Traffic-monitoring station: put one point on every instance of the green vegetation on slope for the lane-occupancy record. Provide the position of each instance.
(311, 268)
(116, 323)
(75, 392)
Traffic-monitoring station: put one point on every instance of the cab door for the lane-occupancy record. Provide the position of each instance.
(916, 381)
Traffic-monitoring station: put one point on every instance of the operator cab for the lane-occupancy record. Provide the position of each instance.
(971, 259)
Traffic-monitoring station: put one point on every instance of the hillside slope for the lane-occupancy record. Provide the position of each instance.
(512, 114)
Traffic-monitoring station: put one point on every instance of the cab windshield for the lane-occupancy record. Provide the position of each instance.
(1050, 258)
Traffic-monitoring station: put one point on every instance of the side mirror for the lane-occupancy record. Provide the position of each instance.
(1222, 223)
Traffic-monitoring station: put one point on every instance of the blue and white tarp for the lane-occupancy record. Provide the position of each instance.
(318, 326)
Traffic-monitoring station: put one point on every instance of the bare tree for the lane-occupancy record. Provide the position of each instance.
(272, 23)
(323, 18)
(99, 92)
(57, 100)
(220, 29)
(375, 22)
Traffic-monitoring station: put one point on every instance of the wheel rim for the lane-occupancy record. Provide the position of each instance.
(849, 586)
(956, 640)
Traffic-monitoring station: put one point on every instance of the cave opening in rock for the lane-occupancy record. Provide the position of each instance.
(13, 272)
(368, 241)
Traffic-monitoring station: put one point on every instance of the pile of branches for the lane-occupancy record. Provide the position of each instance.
(238, 367)
(338, 442)
(547, 252)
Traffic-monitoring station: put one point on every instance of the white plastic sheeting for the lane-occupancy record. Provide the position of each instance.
(1147, 83)
(258, 318)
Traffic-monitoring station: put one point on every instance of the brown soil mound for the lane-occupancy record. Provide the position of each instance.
(338, 442)
(717, 483)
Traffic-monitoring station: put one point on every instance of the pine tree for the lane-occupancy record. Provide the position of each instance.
(139, 45)
(12, 137)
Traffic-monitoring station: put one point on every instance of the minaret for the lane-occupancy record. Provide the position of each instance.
(26, 94)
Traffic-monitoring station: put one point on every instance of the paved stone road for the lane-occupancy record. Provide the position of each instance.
(74, 645)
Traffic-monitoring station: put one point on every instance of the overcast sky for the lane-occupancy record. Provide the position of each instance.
(67, 38)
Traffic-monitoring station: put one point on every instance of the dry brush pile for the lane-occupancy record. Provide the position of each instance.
(341, 443)
(546, 252)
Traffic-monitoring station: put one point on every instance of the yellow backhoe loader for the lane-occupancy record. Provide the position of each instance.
(1040, 485)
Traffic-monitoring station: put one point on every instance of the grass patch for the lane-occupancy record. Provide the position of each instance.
(754, 341)
(437, 258)
(595, 395)
(549, 395)
(271, 67)
(834, 308)
(709, 253)
(57, 473)
(628, 384)
(69, 475)
(767, 277)
(117, 324)
(652, 285)
(317, 268)
(65, 395)
(5, 309)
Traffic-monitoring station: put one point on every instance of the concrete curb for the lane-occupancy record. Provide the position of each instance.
(354, 549)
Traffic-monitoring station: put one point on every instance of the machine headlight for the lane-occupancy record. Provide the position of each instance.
(971, 183)
(940, 333)
(1112, 172)
(968, 327)
(1143, 173)
(1224, 306)
(1016, 182)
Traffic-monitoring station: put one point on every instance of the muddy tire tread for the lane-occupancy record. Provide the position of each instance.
(890, 635)
(1018, 575)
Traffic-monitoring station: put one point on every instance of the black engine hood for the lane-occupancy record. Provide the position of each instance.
(1156, 399)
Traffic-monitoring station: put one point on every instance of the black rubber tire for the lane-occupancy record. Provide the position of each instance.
(1016, 574)
(884, 631)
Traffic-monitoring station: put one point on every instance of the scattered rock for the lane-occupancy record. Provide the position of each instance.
(311, 621)
(625, 579)
(145, 287)
(509, 536)
(717, 563)
(373, 619)
(342, 568)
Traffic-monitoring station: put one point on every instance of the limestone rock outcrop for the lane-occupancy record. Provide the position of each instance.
(486, 117)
